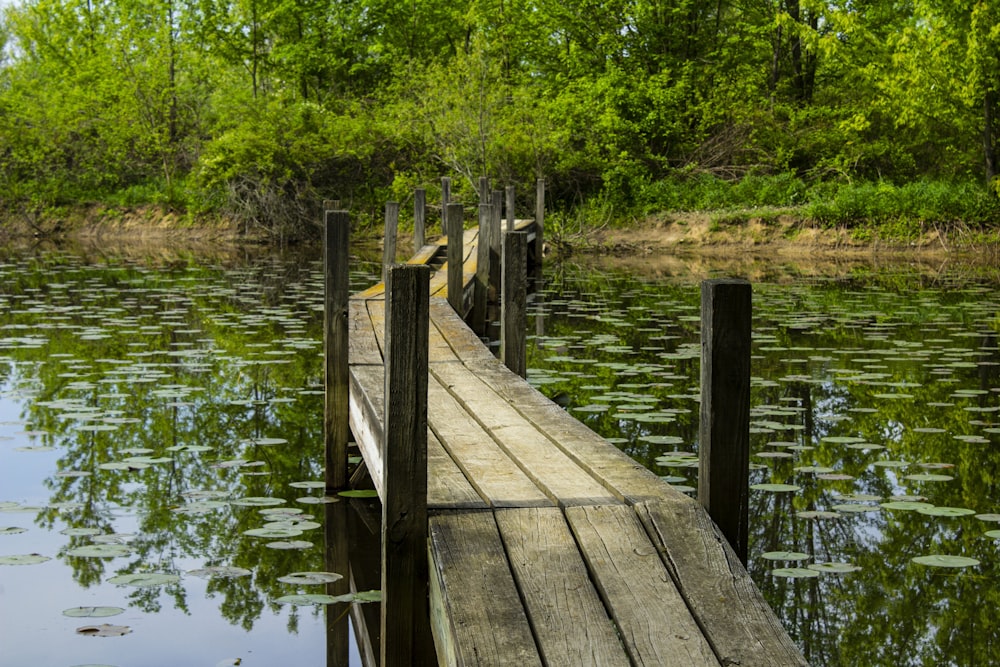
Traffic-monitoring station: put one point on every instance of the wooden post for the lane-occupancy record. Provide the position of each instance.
(336, 552)
(724, 433)
(484, 190)
(445, 200)
(336, 292)
(405, 614)
(510, 208)
(389, 237)
(539, 248)
(419, 218)
(495, 239)
(455, 228)
(480, 296)
(513, 302)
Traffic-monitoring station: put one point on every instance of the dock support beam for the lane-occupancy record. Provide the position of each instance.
(513, 302)
(538, 249)
(724, 433)
(405, 636)
(336, 292)
(480, 295)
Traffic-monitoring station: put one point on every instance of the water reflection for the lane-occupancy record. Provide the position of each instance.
(159, 413)
(875, 393)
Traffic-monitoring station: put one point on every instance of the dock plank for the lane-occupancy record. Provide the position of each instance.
(655, 623)
(361, 343)
(548, 466)
(565, 611)
(464, 343)
(488, 468)
(477, 615)
(730, 609)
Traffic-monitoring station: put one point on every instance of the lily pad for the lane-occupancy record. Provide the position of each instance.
(23, 559)
(93, 612)
(834, 567)
(220, 571)
(100, 551)
(929, 477)
(317, 484)
(279, 531)
(785, 555)
(794, 572)
(146, 579)
(358, 493)
(103, 630)
(775, 488)
(257, 501)
(945, 511)
(292, 544)
(12, 530)
(905, 505)
(939, 560)
(310, 578)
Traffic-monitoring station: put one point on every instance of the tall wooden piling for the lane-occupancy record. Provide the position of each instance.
(724, 433)
(538, 249)
(455, 229)
(336, 293)
(419, 218)
(405, 636)
(389, 236)
(510, 208)
(513, 302)
(495, 239)
(480, 295)
(484, 190)
(445, 200)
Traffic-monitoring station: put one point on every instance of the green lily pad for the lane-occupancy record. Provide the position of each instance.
(80, 532)
(221, 571)
(12, 530)
(308, 485)
(278, 531)
(905, 505)
(928, 477)
(939, 560)
(257, 501)
(988, 517)
(103, 630)
(310, 578)
(785, 555)
(994, 534)
(794, 572)
(100, 551)
(146, 579)
(292, 544)
(23, 559)
(853, 507)
(833, 567)
(93, 612)
(776, 488)
(945, 511)
(818, 514)
(359, 493)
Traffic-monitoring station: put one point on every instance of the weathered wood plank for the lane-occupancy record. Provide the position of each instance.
(491, 472)
(620, 474)
(447, 486)
(732, 612)
(476, 612)
(654, 623)
(566, 613)
(367, 408)
(363, 347)
(548, 466)
(465, 344)
(514, 300)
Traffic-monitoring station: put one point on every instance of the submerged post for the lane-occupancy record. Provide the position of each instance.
(405, 615)
(724, 432)
(389, 237)
(419, 218)
(455, 229)
(513, 302)
(480, 295)
(336, 294)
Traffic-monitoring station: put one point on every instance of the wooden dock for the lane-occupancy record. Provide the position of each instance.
(546, 545)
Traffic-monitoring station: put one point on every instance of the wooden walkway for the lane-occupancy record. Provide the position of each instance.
(548, 545)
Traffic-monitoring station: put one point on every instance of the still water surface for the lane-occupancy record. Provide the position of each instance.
(164, 418)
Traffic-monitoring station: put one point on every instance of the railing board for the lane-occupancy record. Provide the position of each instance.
(655, 624)
(569, 621)
(730, 609)
(477, 615)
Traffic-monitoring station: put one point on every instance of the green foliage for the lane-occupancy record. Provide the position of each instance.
(258, 109)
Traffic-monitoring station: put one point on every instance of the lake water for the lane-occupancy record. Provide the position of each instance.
(161, 449)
